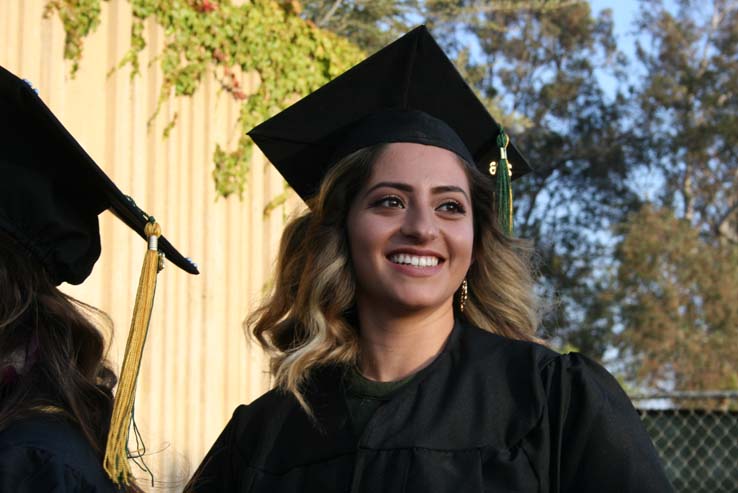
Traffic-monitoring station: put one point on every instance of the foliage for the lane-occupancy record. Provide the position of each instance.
(373, 23)
(79, 18)
(675, 293)
(690, 112)
(292, 57)
(370, 24)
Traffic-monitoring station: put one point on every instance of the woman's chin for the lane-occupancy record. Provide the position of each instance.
(410, 305)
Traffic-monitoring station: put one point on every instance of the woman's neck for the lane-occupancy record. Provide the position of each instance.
(394, 347)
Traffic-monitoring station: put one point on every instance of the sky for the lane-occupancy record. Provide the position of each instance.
(624, 11)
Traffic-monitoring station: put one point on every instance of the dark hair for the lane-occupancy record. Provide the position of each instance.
(52, 355)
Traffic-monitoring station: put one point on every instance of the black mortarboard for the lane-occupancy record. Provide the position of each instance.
(408, 91)
(51, 191)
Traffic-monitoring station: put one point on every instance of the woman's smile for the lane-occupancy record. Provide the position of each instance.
(416, 263)
(414, 260)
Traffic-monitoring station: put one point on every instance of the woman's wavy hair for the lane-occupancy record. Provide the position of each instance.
(308, 319)
(52, 355)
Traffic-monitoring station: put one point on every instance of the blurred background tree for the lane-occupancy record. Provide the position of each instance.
(675, 293)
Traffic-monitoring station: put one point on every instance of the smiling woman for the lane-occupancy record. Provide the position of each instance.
(401, 327)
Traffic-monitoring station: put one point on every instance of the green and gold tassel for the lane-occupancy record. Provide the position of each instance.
(504, 187)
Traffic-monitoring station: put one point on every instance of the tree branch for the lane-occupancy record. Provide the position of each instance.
(723, 227)
(688, 195)
(715, 21)
(327, 17)
(533, 5)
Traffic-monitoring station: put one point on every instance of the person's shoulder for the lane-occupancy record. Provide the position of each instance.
(265, 407)
(532, 358)
(48, 431)
(263, 418)
(600, 430)
(515, 371)
(269, 426)
(501, 370)
(583, 374)
(47, 449)
(486, 346)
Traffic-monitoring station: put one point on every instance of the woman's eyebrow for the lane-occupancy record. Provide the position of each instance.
(408, 188)
(449, 188)
(389, 184)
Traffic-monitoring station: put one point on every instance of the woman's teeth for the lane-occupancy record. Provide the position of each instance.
(414, 260)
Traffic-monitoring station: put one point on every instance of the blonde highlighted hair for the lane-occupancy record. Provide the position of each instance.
(308, 319)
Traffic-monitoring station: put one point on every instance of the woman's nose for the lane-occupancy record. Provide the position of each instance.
(420, 224)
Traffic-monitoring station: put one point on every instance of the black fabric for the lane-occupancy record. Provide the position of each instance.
(401, 125)
(51, 191)
(488, 415)
(364, 396)
(48, 454)
(379, 101)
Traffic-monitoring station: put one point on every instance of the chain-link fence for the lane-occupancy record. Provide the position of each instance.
(696, 434)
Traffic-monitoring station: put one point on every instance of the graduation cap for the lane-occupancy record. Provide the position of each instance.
(408, 91)
(51, 193)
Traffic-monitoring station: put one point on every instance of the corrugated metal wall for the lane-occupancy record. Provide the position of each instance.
(197, 365)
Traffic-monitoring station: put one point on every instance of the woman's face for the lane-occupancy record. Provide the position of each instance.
(410, 230)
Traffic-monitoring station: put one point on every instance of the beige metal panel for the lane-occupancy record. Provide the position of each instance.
(197, 366)
(196, 171)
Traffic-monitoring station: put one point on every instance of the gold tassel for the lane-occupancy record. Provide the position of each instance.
(116, 453)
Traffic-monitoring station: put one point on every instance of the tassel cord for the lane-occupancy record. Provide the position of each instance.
(115, 462)
(504, 186)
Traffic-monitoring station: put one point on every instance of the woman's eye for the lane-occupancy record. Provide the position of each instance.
(390, 202)
(452, 206)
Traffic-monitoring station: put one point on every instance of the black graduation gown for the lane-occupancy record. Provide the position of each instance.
(48, 454)
(488, 415)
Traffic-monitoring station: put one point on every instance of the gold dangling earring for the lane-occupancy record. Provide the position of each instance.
(463, 296)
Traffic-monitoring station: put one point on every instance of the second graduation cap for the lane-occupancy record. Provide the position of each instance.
(51, 193)
(408, 91)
